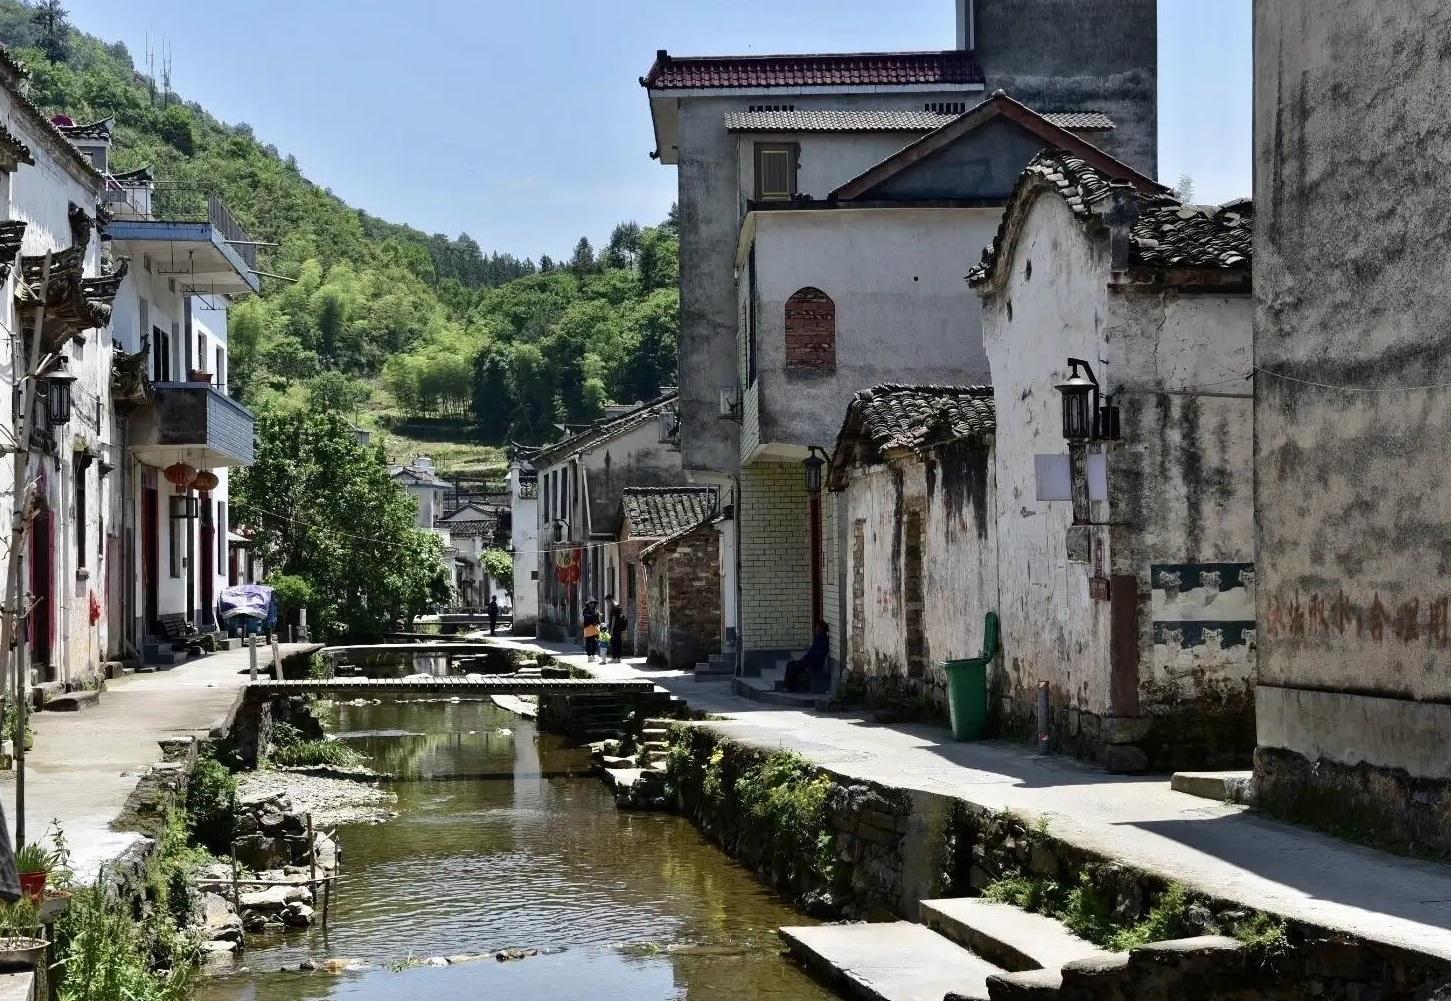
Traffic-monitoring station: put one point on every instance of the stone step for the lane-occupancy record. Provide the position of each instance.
(619, 761)
(622, 779)
(1006, 936)
(72, 702)
(763, 690)
(1228, 787)
(894, 961)
(658, 732)
(1029, 985)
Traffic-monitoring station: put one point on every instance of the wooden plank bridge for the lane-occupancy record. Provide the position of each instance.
(496, 684)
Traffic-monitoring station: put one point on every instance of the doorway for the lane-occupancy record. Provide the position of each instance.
(208, 560)
(42, 589)
(150, 557)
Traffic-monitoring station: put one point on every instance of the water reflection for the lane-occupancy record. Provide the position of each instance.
(639, 905)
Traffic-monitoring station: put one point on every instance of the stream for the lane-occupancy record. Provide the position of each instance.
(501, 843)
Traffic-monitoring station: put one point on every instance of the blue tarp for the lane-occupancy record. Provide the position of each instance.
(248, 602)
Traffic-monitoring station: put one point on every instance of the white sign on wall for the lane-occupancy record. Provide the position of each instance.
(1054, 477)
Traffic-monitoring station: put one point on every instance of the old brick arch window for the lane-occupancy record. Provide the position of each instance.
(810, 332)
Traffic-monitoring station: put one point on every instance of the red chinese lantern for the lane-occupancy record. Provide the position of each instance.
(206, 480)
(180, 475)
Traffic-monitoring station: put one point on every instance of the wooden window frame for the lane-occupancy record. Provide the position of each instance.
(764, 149)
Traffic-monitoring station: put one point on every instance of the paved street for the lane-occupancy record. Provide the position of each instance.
(1222, 849)
(85, 764)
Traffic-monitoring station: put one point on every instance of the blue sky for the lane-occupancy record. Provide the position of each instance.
(523, 124)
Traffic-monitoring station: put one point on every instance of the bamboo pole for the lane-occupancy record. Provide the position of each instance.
(24, 416)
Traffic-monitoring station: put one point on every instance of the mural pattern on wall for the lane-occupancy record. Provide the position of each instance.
(1204, 617)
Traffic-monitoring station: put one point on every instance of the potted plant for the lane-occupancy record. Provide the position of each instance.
(33, 862)
(21, 947)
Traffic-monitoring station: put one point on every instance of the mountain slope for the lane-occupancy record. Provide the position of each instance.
(450, 349)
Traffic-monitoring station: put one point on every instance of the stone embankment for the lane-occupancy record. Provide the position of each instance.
(841, 847)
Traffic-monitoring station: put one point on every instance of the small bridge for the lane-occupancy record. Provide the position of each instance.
(498, 684)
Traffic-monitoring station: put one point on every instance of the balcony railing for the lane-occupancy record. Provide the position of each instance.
(182, 201)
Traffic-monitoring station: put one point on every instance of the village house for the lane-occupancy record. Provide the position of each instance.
(54, 266)
(858, 288)
(649, 515)
(913, 476)
(756, 135)
(473, 528)
(1351, 412)
(188, 258)
(1117, 325)
(582, 479)
(524, 539)
(430, 492)
(682, 587)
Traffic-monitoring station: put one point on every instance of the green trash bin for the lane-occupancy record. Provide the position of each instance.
(967, 685)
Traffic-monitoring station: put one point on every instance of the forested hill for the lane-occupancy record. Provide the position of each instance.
(432, 338)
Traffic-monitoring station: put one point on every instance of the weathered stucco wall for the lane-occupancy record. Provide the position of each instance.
(826, 160)
(949, 504)
(1077, 55)
(903, 312)
(1350, 278)
(710, 205)
(1052, 631)
(1149, 643)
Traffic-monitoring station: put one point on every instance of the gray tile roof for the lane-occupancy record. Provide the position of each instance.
(657, 512)
(1166, 234)
(884, 121)
(893, 419)
(604, 429)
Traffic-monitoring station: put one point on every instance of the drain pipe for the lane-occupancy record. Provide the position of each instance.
(1043, 717)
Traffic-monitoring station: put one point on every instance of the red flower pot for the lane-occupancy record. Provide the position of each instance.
(32, 885)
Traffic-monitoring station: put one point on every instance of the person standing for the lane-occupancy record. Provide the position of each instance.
(493, 613)
(618, 625)
(591, 622)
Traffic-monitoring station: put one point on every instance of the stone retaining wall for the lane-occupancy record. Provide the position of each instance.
(894, 848)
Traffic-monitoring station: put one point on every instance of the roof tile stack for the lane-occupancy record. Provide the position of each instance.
(911, 418)
(1166, 234)
(834, 70)
(659, 512)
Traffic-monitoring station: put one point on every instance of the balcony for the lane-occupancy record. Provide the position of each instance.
(195, 423)
(188, 232)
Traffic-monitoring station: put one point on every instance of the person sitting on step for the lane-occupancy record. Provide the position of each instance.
(801, 674)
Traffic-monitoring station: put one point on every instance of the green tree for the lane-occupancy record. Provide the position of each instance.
(493, 393)
(582, 261)
(50, 17)
(325, 511)
(499, 565)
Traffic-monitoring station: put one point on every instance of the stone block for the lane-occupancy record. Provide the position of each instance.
(1030, 985)
(1126, 729)
(1125, 759)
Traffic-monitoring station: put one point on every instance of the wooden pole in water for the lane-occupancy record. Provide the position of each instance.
(236, 891)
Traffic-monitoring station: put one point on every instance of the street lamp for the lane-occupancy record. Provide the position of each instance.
(58, 398)
(1084, 419)
(560, 525)
(1080, 401)
(814, 465)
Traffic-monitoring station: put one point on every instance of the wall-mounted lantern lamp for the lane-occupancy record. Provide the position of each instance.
(58, 398)
(814, 464)
(1084, 419)
(560, 527)
(185, 507)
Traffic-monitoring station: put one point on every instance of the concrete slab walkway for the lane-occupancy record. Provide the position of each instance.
(1222, 849)
(86, 763)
